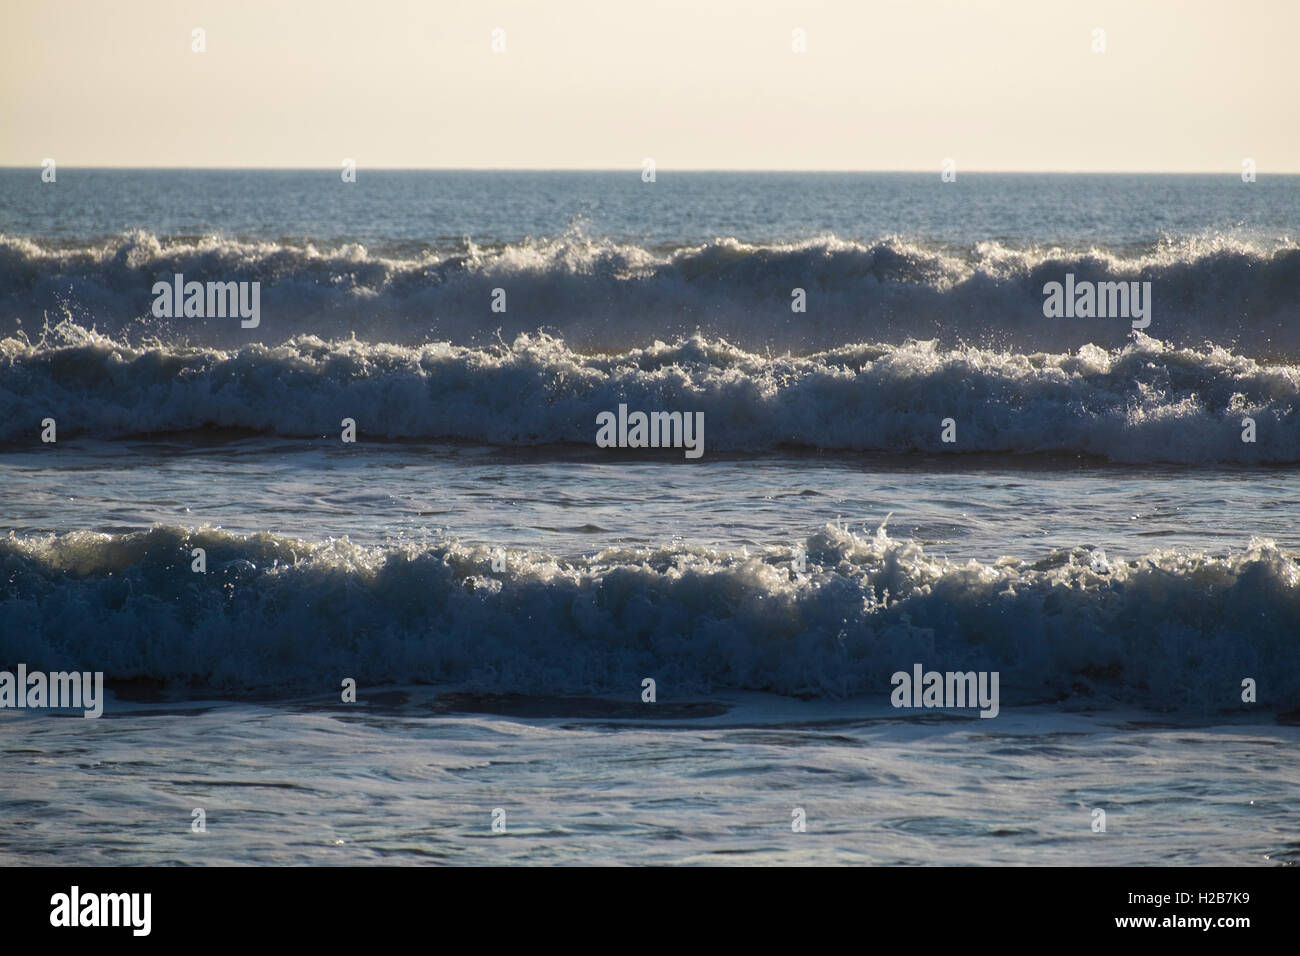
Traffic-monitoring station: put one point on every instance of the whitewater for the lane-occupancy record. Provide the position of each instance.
(597, 293)
(1143, 402)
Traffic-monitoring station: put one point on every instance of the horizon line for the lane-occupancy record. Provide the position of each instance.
(635, 170)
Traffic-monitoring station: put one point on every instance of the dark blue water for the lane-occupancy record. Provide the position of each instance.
(441, 208)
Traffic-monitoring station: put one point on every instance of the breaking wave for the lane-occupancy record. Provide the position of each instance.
(1169, 631)
(1146, 401)
(600, 294)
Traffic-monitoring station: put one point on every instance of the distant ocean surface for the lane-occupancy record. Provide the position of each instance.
(499, 587)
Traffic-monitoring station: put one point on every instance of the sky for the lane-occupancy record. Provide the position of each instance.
(1182, 85)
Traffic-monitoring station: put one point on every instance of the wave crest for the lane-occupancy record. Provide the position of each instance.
(1171, 631)
(1144, 402)
(599, 294)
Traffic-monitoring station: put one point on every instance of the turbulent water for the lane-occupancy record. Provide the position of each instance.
(1098, 533)
(1170, 631)
(609, 295)
(1143, 402)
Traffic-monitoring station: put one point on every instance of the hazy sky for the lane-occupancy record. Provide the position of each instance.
(1183, 85)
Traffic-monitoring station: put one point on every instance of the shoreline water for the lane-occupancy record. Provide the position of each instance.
(331, 786)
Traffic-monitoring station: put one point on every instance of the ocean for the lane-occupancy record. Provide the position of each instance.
(565, 652)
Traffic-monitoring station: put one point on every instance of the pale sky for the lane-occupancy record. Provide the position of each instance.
(1183, 85)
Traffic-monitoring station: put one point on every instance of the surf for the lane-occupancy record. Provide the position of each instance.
(1171, 630)
(608, 295)
(1146, 401)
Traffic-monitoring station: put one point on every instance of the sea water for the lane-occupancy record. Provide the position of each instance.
(920, 467)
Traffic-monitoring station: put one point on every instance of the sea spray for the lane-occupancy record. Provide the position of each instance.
(1172, 630)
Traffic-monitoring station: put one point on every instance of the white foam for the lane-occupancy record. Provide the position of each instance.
(608, 295)
(1143, 402)
(1172, 631)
